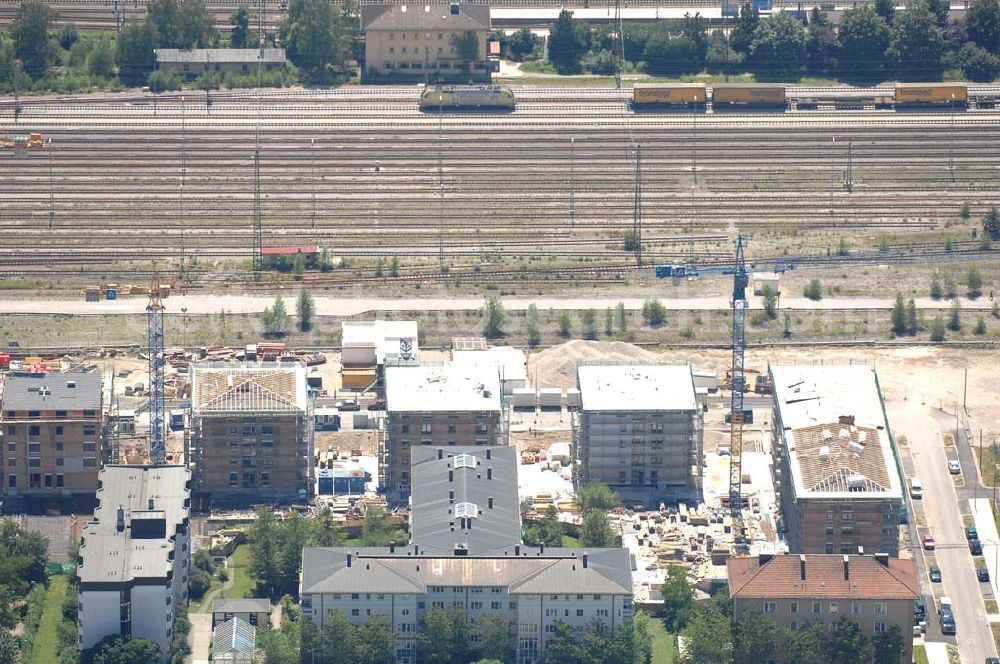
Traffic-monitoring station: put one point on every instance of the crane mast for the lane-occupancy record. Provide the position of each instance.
(739, 306)
(157, 359)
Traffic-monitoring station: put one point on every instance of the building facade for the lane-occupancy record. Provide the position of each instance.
(875, 591)
(431, 406)
(136, 555)
(639, 430)
(466, 552)
(837, 470)
(197, 61)
(251, 433)
(50, 428)
(434, 42)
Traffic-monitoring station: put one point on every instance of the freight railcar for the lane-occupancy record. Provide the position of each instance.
(657, 96)
(945, 96)
(747, 96)
(461, 98)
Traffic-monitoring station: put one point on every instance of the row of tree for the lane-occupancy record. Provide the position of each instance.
(872, 42)
(22, 568)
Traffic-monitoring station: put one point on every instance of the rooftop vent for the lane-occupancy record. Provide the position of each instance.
(857, 448)
(463, 461)
(71, 384)
(466, 510)
(454, 9)
(824, 452)
(855, 482)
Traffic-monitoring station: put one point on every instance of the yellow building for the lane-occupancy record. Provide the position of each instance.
(426, 43)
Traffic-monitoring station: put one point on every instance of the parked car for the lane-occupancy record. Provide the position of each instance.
(935, 574)
(993, 660)
(378, 404)
(928, 542)
(971, 533)
(976, 547)
(348, 404)
(919, 611)
(983, 574)
(954, 467)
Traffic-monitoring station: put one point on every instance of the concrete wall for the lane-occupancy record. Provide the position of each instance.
(99, 615)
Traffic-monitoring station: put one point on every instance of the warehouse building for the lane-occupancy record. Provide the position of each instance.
(466, 552)
(251, 433)
(136, 555)
(874, 591)
(639, 430)
(447, 406)
(51, 436)
(197, 61)
(423, 42)
(837, 470)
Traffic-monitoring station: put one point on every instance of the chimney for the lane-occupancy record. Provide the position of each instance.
(489, 473)
(541, 548)
(802, 566)
(764, 559)
(847, 569)
(440, 453)
(487, 454)
(451, 475)
(460, 550)
(491, 502)
(882, 559)
(861, 550)
(149, 504)
(584, 560)
(416, 551)
(454, 9)
(517, 549)
(120, 525)
(392, 546)
(348, 560)
(71, 384)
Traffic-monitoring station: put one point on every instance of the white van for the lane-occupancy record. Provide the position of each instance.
(916, 489)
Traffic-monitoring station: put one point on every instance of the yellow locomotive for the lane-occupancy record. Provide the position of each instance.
(467, 97)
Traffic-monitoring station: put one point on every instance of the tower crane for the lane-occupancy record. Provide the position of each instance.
(157, 359)
(739, 341)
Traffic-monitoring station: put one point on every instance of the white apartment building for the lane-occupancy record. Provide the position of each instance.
(136, 555)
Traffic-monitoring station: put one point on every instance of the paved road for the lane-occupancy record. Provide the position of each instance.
(332, 306)
(923, 429)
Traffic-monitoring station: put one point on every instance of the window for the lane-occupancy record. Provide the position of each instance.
(602, 613)
(265, 479)
(60, 461)
(355, 596)
(404, 49)
(89, 413)
(34, 430)
(34, 413)
(816, 607)
(60, 481)
(550, 629)
(481, 427)
(34, 448)
(770, 607)
(234, 479)
(855, 607)
(12, 463)
(48, 480)
(60, 413)
(11, 429)
(475, 605)
(59, 447)
(597, 598)
(793, 626)
(794, 607)
(34, 463)
(879, 627)
(404, 428)
(355, 612)
(59, 430)
(829, 516)
(496, 606)
(451, 428)
(880, 608)
(89, 446)
(834, 607)
(579, 613)
(551, 613)
(89, 430)
(392, 49)
(11, 446)
(12, 481)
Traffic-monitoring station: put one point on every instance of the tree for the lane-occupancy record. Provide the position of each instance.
(23, 555)
(954, 317)
(886, 9)
(821, 43)
(671, 54)
(264, 552)
(787, 326)
(241, 36)
(937, 329)
(101, 60)
(325, 531)
(708, 639)
(495, 636)
(887, 646)
(991, 223)
(435, 638)
(813, 290)
(980, 328)
(899, 316)
(754, 638)
(950, 287)
(294, 535)
(936, 292)
(493, 318)
(641, 638)
(467, 48)
(377, 531)
(522, 45)
(974, 280)
(847, 644)
(983, 24)
(374, 641)
(10, 652)
(68, 35)
(304, 309)
(653, 312)
(31, 37)
(337, 642)
(314, 38)
(115, 649)
(621, 318)
(911, 317)
(678, 599)
(275, 318)
(563, 645)
(595, 531)
(862, 39)
(916, 45)
(394, 266)
(565, 323)
(746, 26)
(198, 583)
(609, 322)
(534, 334)
(807, 644)
(589, 319)
(195, 26)
(596, 496)
(567, 43)
(770, 302)
(978, 64)
(778, 48)
(548, 530)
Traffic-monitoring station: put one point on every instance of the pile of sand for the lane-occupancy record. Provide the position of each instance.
(556, 366)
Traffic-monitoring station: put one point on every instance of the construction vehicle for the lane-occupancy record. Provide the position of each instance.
(32, 142)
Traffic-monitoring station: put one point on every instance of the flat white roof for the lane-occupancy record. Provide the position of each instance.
(637, 387)
(382, 335)
(447, 388)
(766, 276)
(511, 362)
(835, 431)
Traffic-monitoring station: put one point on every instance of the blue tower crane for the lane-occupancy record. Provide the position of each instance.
(157, 359)
(738, 379)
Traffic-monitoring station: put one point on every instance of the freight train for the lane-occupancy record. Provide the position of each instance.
(467, 97)
(764, 96)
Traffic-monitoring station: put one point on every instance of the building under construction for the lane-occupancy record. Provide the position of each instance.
(251, 433)
(837, 470)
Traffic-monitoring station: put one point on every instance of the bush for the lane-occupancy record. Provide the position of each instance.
(813, 290)
(160, 81)
(980, 328)
(937, 329)
(653, 312)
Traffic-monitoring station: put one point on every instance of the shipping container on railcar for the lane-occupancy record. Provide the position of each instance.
(450, 98)
(745, 96)
(946, 96)
(665, 96)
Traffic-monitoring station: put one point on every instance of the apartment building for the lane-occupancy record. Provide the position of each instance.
(136, 555)
(837, 470)
(422, 42)
(50, 427)
(466, 551)
(445, 406)
(251, 433)
(639, 430)
(875, 591)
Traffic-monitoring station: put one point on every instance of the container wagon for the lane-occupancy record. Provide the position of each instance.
(660, 96)
(945, 96)
(748, 96)
(460, 98)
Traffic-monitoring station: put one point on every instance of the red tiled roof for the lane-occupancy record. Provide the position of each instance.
(279, 251)
(780, 578)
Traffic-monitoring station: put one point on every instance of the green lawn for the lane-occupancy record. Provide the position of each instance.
(664, 643)
(243, 585)
(46, 644)
(571, 542)
(919, 655)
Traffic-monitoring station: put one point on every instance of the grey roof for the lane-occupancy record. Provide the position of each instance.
(113, 556)
(476, 479)
(250, 605)
(525, 571)
(53, 391)
(425, 17)
(219, 55)
(235, 636)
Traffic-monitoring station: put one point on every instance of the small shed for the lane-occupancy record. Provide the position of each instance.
(254, 611)
(762, 280)
(233, 642)
(271, 256)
